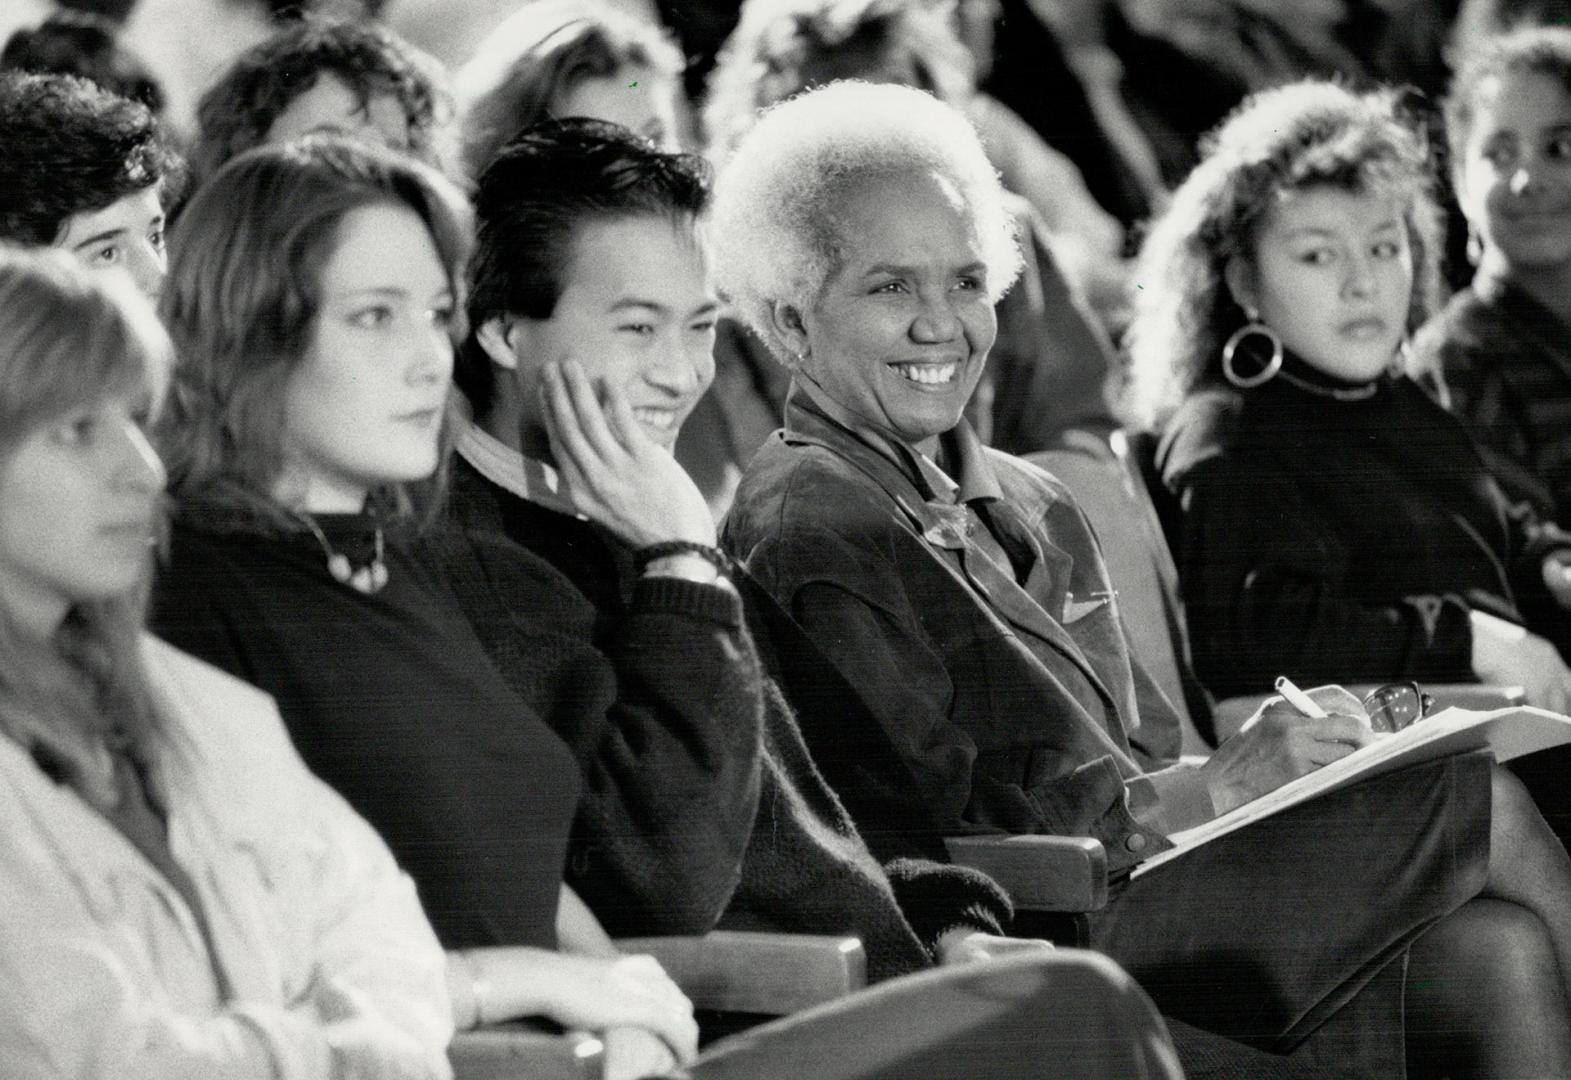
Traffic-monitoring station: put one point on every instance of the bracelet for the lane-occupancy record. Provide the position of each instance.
(713, 555)
(479, 988)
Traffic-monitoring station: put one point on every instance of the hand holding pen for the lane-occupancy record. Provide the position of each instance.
(1289, 736)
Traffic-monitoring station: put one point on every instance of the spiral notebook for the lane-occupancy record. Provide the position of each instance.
(1507, 733)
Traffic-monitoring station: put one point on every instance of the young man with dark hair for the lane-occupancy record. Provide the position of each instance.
(585, 557)
(85, 170)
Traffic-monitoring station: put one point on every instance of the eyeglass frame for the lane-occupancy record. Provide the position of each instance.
(1390, 723)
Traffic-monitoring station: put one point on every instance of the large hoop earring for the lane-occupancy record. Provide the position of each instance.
(1229, 347)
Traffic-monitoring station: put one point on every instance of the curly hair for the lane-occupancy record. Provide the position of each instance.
(71, 147)
(532, 201)
(242, 298)
(773, 228)
(1544, 50)
(81, 43)
(238, 110)
(1305, 135)
(70, 338)
(537, 55)
(782, 47)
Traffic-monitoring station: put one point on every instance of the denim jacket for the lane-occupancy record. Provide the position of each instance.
(1008, 692)
(332, 967)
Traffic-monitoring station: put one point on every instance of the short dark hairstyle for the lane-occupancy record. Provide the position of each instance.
(543, 186)
(70, 147)
(81, 43)
(238, 110)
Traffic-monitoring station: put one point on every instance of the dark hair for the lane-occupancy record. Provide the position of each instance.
(525, 65)
(1290, 138)
(241, 300)
(238, 110)
(531, 201)
(782, 47)
(1544, 50)
(69, 147)
(84, 44)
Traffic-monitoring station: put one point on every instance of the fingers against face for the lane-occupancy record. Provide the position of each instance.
(590, 414)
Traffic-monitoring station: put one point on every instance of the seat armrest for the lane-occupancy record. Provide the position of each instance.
(1040, 873)
(1231, 713)
(752, 972)
(520, 1048)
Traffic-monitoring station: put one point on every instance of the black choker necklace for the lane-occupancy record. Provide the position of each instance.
(1339, 393)
(368, 579)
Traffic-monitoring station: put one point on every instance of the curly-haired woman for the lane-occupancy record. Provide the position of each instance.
(1336, 522)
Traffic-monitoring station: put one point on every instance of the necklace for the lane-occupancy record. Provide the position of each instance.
(368, 579)
(1350, 393)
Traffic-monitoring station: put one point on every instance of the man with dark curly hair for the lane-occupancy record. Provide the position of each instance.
(324, 75)
(85, 170)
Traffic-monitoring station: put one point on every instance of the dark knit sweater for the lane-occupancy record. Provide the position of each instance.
(391, 700)
(1343, 540)
(701, 805)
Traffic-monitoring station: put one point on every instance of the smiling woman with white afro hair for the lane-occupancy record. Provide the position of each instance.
(773, 230)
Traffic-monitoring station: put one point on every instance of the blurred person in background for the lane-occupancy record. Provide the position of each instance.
(325, 76)
(78, 43)
(561, 58)
(1500, 351)
(88, 171)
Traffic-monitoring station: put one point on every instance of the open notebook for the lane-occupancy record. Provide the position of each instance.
(1508, 733)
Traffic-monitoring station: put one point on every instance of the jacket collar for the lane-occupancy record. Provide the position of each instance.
(811, 411)
(528, 478)
(943, 522)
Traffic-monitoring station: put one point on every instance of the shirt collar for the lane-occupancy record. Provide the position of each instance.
(528, 478)
(960, 445)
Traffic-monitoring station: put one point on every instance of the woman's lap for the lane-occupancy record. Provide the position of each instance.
(1267, 933)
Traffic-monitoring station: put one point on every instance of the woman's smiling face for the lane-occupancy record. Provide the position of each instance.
(1514, 183)
(900, 331)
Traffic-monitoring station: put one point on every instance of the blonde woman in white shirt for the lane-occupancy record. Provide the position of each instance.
(182, 898)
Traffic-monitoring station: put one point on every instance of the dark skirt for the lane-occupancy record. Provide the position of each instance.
(1292, 934)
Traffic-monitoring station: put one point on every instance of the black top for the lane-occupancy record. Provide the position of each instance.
(702, 806)
(1342, 534)
(390, 698)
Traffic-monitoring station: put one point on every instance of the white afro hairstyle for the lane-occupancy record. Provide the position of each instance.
(772, 230)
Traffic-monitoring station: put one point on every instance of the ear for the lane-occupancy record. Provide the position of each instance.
(790, 328)
(1240, 279)
(496, 338)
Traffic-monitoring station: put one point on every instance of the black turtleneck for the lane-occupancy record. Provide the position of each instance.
(1341, 532)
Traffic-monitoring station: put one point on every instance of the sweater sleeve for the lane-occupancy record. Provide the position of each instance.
(936, 898)
(664, 715)
(1266, 584)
